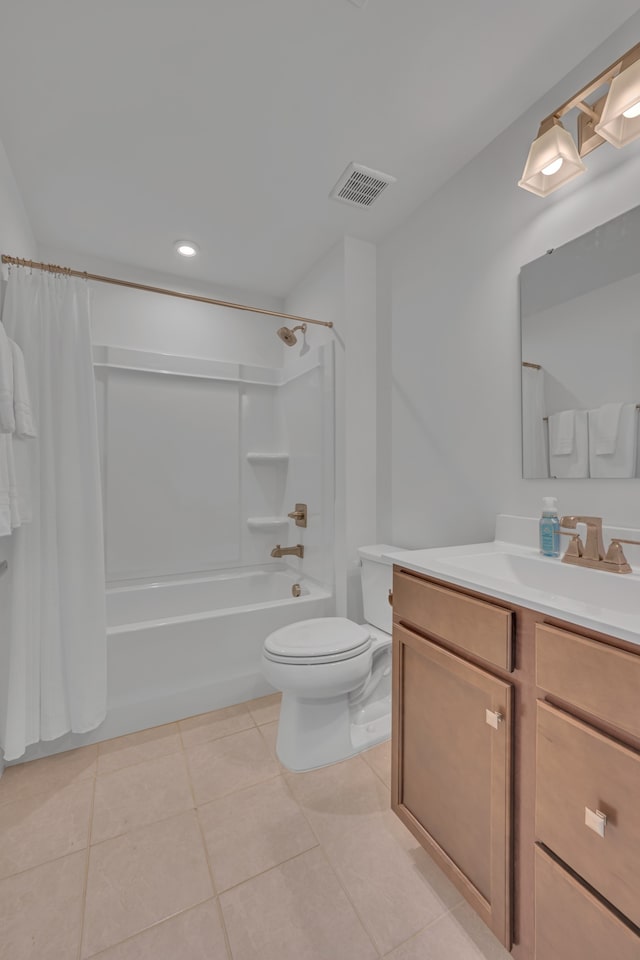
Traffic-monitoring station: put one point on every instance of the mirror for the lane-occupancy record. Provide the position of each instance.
(580, 326)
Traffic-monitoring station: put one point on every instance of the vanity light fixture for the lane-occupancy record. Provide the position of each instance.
(554, 158)
(186, 248)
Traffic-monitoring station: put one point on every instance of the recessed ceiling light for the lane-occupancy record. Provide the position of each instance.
(186, 248)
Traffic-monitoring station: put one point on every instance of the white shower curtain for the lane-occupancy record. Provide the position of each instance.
(56, 624)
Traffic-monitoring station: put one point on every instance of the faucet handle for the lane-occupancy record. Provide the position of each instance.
(576, 547)
(615, 554)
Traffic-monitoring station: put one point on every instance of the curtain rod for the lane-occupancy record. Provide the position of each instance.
(67, 271)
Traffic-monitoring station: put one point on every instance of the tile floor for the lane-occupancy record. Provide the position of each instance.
(190, 842)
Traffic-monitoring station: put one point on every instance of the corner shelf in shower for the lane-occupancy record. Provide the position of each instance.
(266, 523)
(267, 458)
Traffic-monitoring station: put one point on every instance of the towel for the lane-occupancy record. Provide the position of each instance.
(7, 417)
(576, 463)
(621, 462)
(562, 432)
(604, 424)
(23, 415)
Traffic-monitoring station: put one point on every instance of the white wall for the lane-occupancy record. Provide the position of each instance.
(342, 287)
(449, 336)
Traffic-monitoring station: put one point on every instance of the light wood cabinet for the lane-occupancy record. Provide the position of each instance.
(572, 923)
(452, 770)
(502, 808)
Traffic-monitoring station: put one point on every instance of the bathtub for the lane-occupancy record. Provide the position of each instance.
(181, 647)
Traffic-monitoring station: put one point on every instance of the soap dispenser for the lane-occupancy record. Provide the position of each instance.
(550, 528)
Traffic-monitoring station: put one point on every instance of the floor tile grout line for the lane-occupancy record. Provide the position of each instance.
(85, 885)
(98, 744)
(334, 871)
(427, 926)
(274, 866)
(28, 795)
(208, 859)
(156, 923)
(143, 826)
(353, 906)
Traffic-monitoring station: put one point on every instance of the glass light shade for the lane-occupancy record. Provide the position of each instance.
(624, 94)
(553, 143)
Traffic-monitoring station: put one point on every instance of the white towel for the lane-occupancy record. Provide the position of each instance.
(562, 433)
(10, 513)
(23, 414)
(622, 462)
(576, 463)
(7, 417)
(604, 424)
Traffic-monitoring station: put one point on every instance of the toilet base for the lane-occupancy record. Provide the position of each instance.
(316, 733)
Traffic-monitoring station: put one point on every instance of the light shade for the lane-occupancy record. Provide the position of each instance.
(552, 144)
(624, 94)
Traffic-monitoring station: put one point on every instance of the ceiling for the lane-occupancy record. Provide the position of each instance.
(132, 123)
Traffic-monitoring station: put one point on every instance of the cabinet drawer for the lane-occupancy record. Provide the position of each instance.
(475, 626)
(596, 678)
(580, 769)
(572, 924)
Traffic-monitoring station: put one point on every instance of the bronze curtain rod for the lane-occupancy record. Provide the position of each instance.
(535, 366)
(67, 271)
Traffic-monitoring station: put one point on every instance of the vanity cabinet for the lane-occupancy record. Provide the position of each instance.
(452, 780)
(588, 792)
(516, 764)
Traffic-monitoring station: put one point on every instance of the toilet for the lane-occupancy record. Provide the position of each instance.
(335, 676)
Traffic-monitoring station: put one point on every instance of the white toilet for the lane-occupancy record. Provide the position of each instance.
(335, 676)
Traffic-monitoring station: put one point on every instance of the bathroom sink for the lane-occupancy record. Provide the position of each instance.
(598, 599)
(554, 578)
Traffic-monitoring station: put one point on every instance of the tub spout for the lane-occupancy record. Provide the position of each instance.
(297, 551)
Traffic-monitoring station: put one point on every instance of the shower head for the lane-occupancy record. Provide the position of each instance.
(288, 336)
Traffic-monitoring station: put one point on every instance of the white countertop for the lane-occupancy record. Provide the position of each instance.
(611, 603)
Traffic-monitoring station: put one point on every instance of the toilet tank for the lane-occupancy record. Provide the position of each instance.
(377, 580)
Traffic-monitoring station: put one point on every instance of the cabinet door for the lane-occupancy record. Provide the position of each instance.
(452, 770)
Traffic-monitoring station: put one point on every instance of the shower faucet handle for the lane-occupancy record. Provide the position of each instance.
(299, 515)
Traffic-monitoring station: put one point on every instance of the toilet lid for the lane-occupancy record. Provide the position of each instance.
(324, 638)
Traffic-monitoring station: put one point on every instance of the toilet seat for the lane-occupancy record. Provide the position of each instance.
(322, 640)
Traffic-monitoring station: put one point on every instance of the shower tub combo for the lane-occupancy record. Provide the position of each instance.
(181, 647)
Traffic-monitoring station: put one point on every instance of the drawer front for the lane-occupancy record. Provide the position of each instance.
(596, 678)
(472, 625)
(580, 770)
(572, 924)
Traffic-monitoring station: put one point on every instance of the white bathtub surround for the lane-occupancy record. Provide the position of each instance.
(56, 629)
(184, 646)
(180, 647)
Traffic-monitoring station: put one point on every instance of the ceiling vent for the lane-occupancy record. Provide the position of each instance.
(360, 186)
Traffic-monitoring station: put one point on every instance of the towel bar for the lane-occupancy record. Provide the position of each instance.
(546, 419)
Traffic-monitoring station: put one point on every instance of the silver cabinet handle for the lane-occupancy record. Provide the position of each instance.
(494, 718)
(596, 820)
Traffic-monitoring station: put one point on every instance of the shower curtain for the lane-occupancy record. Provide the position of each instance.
(535, 461)
(55, 627)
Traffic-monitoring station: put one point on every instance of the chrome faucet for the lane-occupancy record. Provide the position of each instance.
(297, 551)
(592, 552)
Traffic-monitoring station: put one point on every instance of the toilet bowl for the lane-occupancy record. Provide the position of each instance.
(335, 676)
